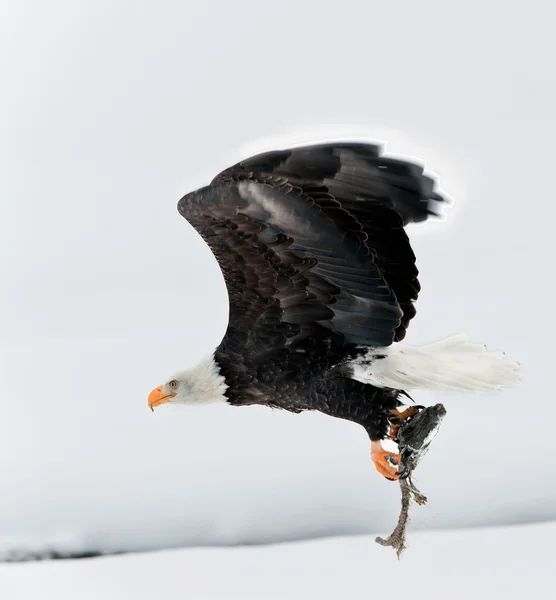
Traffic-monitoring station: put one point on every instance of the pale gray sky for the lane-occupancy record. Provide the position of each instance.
(110, 112)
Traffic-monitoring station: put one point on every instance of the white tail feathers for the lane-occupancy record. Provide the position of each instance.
(453, 364)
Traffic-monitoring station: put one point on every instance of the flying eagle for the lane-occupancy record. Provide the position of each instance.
(322, 281)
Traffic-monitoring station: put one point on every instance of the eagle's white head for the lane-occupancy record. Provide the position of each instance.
(202, 384)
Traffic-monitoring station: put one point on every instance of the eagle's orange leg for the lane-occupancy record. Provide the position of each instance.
(386, 463)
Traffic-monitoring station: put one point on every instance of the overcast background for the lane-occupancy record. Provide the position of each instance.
(109, 113)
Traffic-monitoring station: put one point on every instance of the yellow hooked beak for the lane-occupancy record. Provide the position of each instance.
(158, 397)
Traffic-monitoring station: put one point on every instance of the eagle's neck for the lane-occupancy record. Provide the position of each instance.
(205, 383)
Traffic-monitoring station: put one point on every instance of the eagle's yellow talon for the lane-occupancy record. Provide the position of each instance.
(386, 463)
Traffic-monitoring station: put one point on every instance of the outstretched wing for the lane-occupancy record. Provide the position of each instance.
(381, 194)
(312, 239)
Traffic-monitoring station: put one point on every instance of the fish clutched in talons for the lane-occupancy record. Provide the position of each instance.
(386, 454)
(401, 418)
(413, 439)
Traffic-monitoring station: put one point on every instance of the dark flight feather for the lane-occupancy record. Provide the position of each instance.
(368, 197)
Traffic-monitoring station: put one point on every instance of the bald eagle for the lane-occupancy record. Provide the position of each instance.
(322, 281)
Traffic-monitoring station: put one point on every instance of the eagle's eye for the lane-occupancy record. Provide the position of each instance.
(173, 384)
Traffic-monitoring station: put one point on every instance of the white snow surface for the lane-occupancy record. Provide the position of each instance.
(491, 563)
(110, 112)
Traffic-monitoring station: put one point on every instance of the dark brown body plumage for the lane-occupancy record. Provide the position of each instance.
(318, 267)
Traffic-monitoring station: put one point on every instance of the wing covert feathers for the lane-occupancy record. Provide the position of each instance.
(318, 234)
